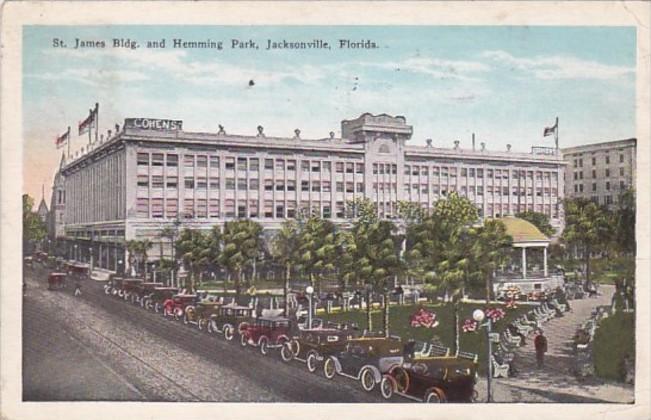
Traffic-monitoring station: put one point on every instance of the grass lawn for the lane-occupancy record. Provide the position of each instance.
(444, 332)
(613, 342)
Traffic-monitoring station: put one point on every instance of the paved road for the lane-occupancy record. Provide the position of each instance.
(99, 348)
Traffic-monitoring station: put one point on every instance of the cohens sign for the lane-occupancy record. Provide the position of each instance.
(153, 124)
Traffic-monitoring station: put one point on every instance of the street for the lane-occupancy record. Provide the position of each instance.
(95, 347)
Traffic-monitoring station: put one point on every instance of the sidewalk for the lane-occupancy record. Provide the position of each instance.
(556, 379)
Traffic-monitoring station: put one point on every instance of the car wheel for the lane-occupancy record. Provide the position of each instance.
(400, 378)
(186, 321)
(434, 396)
(148, 304)
(228, 332)
(243, 340)
(367, 379)
(329, 368)
(201, 323)
(311, 362)
(178, 313)
(263, 343)
(107, 290)
(157, 307)
(211, 326)
(387, 386)
(286, 352)
(295, 347)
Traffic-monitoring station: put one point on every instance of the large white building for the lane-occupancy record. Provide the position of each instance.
(152, 174)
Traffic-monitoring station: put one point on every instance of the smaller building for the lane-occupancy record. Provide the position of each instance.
(601, 171)
(529, 270)
(42, 208)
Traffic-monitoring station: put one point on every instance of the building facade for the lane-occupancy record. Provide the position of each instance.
(152, 174)
(601, 171)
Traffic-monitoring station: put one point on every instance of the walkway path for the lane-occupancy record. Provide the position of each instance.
(556, 380)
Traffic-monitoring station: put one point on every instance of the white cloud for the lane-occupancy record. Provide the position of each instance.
(435, 67)
(560, 67)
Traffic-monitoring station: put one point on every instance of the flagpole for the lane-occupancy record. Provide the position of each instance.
(69, 142)
(90, 133)
(556, 134)
(97, 120)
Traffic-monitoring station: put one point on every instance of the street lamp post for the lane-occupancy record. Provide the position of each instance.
(75, 252)
(309, 290)
(479, 315)
(90, 258)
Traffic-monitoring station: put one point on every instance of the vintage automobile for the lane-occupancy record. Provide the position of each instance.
(432, 379)
(175, 306)
(201, 313)
(143, 292)
(365, 359)
(130, 288)
(310, 345)
(114, 286)
(230, 319)
(56, 281)
(159, 296)
(76, 269)
(265, 333)
(28, 261)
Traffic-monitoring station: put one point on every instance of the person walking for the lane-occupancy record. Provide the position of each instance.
(77, 288)
(540, 343)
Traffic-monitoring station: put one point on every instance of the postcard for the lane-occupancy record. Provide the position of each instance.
(325, 209)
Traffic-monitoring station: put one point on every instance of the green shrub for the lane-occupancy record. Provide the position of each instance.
(614, 341)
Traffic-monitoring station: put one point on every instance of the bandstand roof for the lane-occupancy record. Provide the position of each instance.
(523, 231)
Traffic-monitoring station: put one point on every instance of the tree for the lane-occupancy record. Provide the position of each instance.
(194, 248)
(34, 229)
(587, 227)
(490, 251)
(539, 220)
(456, 210)
(138, 252)
(624, 221)
(318, 249)
(241, 240)
(285, 250)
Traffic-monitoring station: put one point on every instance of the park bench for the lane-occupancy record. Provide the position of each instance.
(511, 339)
(522, 328)
(500, 370)
(469, 356)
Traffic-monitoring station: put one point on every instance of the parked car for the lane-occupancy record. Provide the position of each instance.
(130, 289)
(230, 319)
(310, 346)
(201, 313)
(56, 281)
(432, 380)
(365, 359)
(265, 333)
(175, 306)
(114, 286)
(158, 296)
(143, 291)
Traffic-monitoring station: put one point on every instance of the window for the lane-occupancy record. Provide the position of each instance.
(291, 209)
(214, 183)
(327, 212)
(230, 163)
(254, 164)
(339, 167)
(340, 187)
(280, 165)
(594, 161)
(394, 169)
(464, 172)
(609, 199)
(143, 180)
(607, 186)
(480, 173)
(143, 159)
(621, 171)
(188, 208)
(157, 182)
(230, 184)
(202, 208)
(381, 170)
(581, 175)
(316, 166)
(327, 166)
(254, 184)
(489, 173)
(171, 207)
(268, 163)
(580, 187)
(229, 208)
(305, 166)
(305, 185)
(253, 208)
(189, 182)
(291, 165)
(594, 186)
(202, 161)
(607, 173)
(607, 159)
(621, 158)
(157, 159)
(622, 185)
(291, 185)
(480, 190)
(326, 186)
(241, 184)
(188, 161)
(268, 185)
(142, 207)
(575, 163)
(581, 163)
(349, 167)
(280, 211)
(280, 185)
(172, 160)
(415, 170)
(576, 176)
(359, 168)
(202, 184)
(213, 207)
(268, 208)
(316, 186)
(350, 187)
(241, 164)
(241, 209)
(360, 187)
(594, 174)
(172, 182)
(576, 188)
(214, 162)
(339, 207)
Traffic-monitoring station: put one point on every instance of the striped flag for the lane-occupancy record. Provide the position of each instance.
(90, 122)
(62, 139)
(550, 130)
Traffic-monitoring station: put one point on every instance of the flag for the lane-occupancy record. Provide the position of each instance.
(89, 122)
(62, 139)
(550, 130)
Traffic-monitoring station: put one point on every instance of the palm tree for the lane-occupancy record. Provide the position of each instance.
(284, 249)
(241, 244)
(490, 251)
(195, 250)
(318, 249)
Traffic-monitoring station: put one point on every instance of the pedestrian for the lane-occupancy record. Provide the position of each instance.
(540, 343)
(77, 288)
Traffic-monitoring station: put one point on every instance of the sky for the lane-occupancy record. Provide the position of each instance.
(505, 84)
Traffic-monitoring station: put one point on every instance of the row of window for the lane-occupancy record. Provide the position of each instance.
(423, 188)
(579, 174)
(578, 163)
(579, 187)
(445, 171)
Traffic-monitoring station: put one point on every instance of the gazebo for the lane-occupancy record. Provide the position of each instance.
(527, 238)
